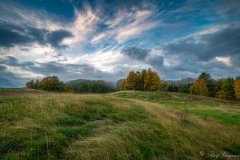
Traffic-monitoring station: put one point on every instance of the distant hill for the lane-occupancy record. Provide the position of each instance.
(91, 86)
(110, 84)
(76, 81)
(182, 82)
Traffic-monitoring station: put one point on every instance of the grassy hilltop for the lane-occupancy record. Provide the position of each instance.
(121, 125)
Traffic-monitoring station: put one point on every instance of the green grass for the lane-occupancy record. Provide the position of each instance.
(16, 89)
(205, 107)
(122, 125)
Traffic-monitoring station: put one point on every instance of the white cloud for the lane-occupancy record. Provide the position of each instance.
(127, 25)
(84, 25)
(225, 60)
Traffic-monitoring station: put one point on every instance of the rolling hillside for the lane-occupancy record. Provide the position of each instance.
(120, 125)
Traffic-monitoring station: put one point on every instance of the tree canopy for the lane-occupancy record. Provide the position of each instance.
(49, 83)
(237, 88)
(142, 81)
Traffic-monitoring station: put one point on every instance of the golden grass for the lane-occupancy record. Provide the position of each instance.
(89, 127)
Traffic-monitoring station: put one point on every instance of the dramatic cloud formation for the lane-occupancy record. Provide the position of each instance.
(12, 35)
(105, 40)
(135, 52)
(221, 43)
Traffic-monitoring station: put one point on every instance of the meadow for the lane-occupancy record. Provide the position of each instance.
(120, 125)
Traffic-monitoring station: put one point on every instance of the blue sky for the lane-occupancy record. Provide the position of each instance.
(106, 39)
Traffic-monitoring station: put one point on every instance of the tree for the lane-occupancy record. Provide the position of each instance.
(37, 84)
(131, 81)
(203, 88)
(237, 88)
(152, 82)
(123, 85)
(142, 81)
(199, 88)
(138, 81)
(90, 86)
(209, 83)
(185, 88)
(142, 76)
(69, 89)
(119, 84)
(52, 83)
(237, 78)
(194, 89)
(227, 89)
(30, 84)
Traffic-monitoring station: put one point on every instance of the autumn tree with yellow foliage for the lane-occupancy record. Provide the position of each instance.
(199, 88)
(142, 81)
(237, 88)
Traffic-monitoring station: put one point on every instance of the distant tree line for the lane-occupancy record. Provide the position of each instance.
(53, 84)
(182, 85)
(146, 80)
(50, 83)
(183, 88)
(227, 88)
(91, 86)
(204, 85)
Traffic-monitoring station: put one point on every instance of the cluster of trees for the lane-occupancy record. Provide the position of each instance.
(91, 86)
(146, 80)
(53, 84)
(183, 88)
(204, 85)
(182, 85)
(50, 83)
(223, 88)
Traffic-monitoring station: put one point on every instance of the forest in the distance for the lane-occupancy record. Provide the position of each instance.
(146, 80)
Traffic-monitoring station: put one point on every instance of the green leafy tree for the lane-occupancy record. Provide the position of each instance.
(37, 84)
(237, 78)
(142, 77)
(138, 81)
(227, 89)
(185, 88)
(90, 86)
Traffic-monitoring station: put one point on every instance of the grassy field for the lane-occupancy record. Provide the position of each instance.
(121, 125)
(16, 89)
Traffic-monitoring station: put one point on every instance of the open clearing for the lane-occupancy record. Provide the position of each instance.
(121, 125)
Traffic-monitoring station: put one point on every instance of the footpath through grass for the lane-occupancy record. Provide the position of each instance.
(205, 107)
(123, 125)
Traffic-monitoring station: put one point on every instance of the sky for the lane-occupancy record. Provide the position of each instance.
(106, 39)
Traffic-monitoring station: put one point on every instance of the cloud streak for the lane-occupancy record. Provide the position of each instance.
(12, 35)
(107, 39)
